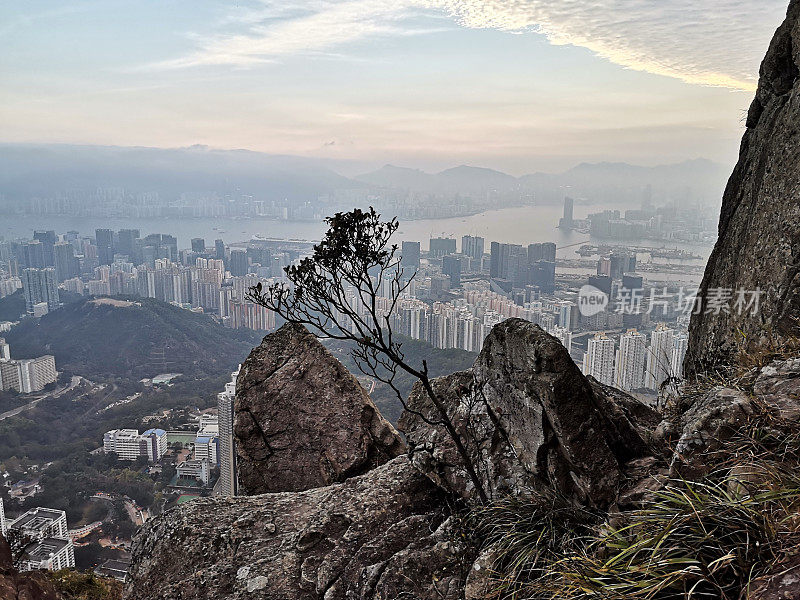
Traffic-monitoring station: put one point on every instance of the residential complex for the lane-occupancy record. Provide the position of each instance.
(25, 375)
(129, 444)
(51, 548)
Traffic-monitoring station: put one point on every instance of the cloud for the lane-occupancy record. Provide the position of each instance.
(708, 42)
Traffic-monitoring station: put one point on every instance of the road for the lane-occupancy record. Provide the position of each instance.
(54, 394)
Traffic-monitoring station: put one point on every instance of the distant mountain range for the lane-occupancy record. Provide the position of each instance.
(594, 181)
(44, 170)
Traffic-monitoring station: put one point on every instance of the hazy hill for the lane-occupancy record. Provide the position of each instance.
(30, 170)
(596, 182)
(622, 182)
(463, 179)
(134, 338)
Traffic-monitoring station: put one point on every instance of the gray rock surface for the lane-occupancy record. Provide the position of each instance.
(778, 384)
(759, 229)
(530, 419)
(711, 420)
(302, 419)
(380, 535)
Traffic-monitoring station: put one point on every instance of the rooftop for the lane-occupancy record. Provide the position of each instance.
(43, 550)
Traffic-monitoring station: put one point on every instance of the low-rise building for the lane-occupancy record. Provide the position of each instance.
(194, 469)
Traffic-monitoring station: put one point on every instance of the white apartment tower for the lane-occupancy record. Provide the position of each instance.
(598, 360)
(659, 356)
(679, 353)
(2, 519)
(629, 370)
(228, 483)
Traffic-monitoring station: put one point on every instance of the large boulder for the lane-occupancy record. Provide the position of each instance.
(381, 535)
(302, 419)
(759, 229)
(528, 418)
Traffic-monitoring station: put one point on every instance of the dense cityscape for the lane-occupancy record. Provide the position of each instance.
(455, 291)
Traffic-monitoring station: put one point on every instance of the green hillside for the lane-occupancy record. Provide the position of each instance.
(131, 337)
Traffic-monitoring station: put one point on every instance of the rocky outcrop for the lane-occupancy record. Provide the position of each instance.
(529, 418)
(380, 535)
(303, 420)
(709, 422)
(759, 228)
(22, 586)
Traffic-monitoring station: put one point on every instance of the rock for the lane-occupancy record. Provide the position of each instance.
(782, 584)
(710, 421)
(482, 579)
(529, 418)
(759, 229)
(22, 586)
(302, 420)
(380, 535)
(643, 478)
(778, 384)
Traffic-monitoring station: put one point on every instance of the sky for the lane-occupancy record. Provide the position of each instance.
(516, 85)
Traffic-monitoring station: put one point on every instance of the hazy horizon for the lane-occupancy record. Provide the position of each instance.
(518, 87)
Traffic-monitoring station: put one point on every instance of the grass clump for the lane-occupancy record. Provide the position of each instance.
(692, 539)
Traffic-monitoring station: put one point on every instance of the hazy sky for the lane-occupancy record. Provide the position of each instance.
(519, 85)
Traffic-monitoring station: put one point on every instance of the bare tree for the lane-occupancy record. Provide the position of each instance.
(336, 292)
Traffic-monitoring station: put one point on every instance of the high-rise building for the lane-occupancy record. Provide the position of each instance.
(510, 262)
(472, 246)
(629, 370)
(541, 251)
(228, 484)
(3, 525)
(105, 246)
(32, 254)
(566, 221)
(219, 249)
(127, 242)
(409, 256)
(39, 285)
(66, 264)
(51, 547)
(442, 247)
(238, 263)
(451, 266)
(198, 245)
(681, 343)
(659, 356)
(48, 239)
(598, 360)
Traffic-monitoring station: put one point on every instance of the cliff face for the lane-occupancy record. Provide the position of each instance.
(302, 420)
(759, 230)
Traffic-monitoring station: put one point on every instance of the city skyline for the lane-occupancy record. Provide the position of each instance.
(424, 83)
